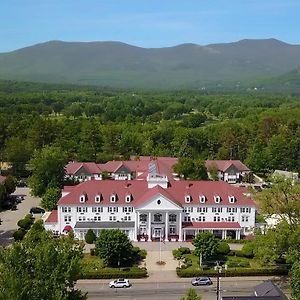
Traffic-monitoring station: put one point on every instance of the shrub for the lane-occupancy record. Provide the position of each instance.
(178, 253)
(248, 250)
(92, 251)
(138, 253)
(115, 273)
(19, 234)
(25, 223)
(90, 237)
(223, 248)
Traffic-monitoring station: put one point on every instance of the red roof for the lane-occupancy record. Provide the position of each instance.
(2, 179)
(72, 167)
(223, 165)
(141, 193)
(53, 218)
(211, 225)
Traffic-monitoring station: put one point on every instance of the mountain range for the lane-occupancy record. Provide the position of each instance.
(246, 63)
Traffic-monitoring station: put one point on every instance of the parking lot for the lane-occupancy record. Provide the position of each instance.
(10, 218)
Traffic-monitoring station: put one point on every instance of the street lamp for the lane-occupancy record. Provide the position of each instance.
(218, 268)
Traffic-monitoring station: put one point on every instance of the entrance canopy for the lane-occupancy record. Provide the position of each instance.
(211, 225)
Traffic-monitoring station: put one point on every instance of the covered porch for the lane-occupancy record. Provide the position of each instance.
(219, 229)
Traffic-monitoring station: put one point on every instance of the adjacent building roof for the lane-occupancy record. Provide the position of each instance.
(140, 193)
(52, 218)
(73, 167)
(268, 288)
(2, 179)
(103, 225)
(223, 165)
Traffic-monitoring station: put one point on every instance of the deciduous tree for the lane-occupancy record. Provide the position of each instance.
(50, 198)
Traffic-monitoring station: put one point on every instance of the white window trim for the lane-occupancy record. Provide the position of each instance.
(231, 199)
(188, 198)
(217, 199)
(98, 198)
(202, 198)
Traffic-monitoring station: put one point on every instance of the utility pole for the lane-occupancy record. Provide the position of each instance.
(218, 268)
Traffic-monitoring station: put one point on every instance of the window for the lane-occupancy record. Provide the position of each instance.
(112, 218)
(112, 209)
(202, 209)
(188, 209)
(157, 218)
(231, 219)
(97, 209)
(98, 198)
(216, 209)
(188, 198)
(97, 218)
(201, 218)
(217, 218)
(81, 218)
(231, 199)
(202, 199)
(127, 218)
(113, 198)
(82, 209)
(217, 199)
(65, 209)
(128, 198)
(245, 209)
(127, 209)
(231, 209)
(245, 219)
(172, 218)
(187, 219)
(67, 218)
(83, 198)
(143, 218)
(172, 230)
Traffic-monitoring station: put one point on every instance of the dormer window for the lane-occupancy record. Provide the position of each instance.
(231, 199)
(128, 198)
(188, 198)
(113, 198)
(202, 199)
(98, 198)
(83, 198)
(217, 199)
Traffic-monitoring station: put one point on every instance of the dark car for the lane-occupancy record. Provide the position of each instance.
(201, 281)
(37, 210)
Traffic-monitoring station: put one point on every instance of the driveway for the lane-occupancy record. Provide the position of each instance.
(10, 218)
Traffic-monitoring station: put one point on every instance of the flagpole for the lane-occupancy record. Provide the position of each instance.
(160, 249)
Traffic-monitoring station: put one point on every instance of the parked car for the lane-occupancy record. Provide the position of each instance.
(120, 283)
(37, 210)
(201, 281)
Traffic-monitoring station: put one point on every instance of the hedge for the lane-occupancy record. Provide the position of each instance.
(232, 272)
(115, 273)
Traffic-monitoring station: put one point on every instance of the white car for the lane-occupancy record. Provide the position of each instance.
(120, 283)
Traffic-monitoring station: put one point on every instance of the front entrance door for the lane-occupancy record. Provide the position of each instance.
(156, 232)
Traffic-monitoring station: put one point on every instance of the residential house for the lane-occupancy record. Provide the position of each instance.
(231, 171)
(83, 171)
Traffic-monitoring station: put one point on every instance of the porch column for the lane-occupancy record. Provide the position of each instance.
(136, 226)
(224, 234)
(166, 228)
(238, 234)
(180, 228)
(149, 227)
(184, 235)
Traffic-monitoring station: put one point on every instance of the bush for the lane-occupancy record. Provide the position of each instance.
(115, 273)
(223, 248)
(178, 253)
(19, 234)
(25, 223)
(248, 250)
(90, 237)
(232, 272)
(92, 252)
(138, 253)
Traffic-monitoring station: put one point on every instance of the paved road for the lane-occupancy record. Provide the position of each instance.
(98, 289)
(10, 218)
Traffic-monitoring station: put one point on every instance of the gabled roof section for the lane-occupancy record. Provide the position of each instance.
(53, 217)
(268, 288)
(223, 165)
(73, 167)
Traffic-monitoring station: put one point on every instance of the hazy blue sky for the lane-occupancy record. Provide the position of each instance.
(147, 23)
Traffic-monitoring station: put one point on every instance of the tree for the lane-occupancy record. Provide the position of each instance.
(283, 199)
(191, 295)
(90, 236)
(47, 167)
(50, 198)
(214, 172)
(114, 247)
(206, 245)
(40, 267)
(10, 184)
(190, 168)
(295, 280)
